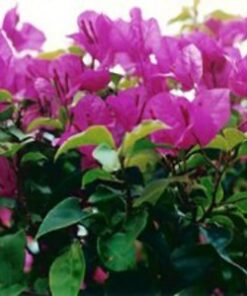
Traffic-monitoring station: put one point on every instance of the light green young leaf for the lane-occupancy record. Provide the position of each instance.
(222, 15)
(143, 130)
(44, 122)
(5, 96)
(233, 137)
(184, 15)
(218, 142)
(94, 135)
(107, 157)
(51, 55)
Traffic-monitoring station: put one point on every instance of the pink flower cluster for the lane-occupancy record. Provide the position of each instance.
(160, 72)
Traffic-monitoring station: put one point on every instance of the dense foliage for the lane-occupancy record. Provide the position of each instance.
(123, 158)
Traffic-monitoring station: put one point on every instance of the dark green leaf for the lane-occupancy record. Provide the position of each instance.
(12, 258)
(117, 252)
(66, 213)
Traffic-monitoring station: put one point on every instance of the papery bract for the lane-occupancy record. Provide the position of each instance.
(100, 276)
(131, 100)
(191, 123)
(238, 82)
(94, 35)
(188, 68)
(228, 32)
(27, 37)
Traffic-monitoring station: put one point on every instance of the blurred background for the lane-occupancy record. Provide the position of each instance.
(57, 18)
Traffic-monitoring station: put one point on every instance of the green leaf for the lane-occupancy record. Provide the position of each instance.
(34, 157)
(218, 142)
(41, 286)
(107, 157)
(242, 149)
(222, 220)
(143, 130)
(220, 193)
(6, 202)
(220, 238)
(230, 139)
(63, 115)
(18, 134)
(45, 122)
(5, 96)
(142, 160)
(67, 272)
(153, 191)
(117, 252)
(222, 15)
(13, 290)
(94, 135)
(192, 262)
(233, 137)
(9, 149)
(104, 194)
(136, 223)
(12, 259)
(51, 55)
(7, 113)
(184, 15)
(76, 50)
(240, 200)
(195, 161)
(115, 78)
(95, 174)
(196, 4)
(128, 82)
(66, 213)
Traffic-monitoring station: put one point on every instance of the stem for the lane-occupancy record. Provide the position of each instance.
(20, 196)
(129, 199)
(218, 176)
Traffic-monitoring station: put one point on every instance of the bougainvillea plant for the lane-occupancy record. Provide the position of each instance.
(123, 158)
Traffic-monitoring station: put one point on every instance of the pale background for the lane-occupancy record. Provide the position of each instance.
(57, 18)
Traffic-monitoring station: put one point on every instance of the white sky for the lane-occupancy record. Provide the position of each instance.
(58, 17)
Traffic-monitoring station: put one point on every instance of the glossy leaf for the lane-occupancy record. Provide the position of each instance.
(12, 259)
(94, 135)
(44, 122)
(5, 96)
(67, 272)
(95, 174)
(66, 213)
(143, 130)
(154, 190)
(117, 252)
